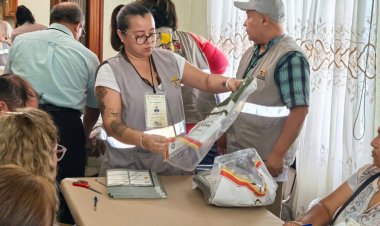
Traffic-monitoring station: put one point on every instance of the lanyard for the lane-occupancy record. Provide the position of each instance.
(257, 56)
(151, 63)
(52, 28)
(254, 60)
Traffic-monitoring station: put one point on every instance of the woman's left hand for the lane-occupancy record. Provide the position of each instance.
(154, 143)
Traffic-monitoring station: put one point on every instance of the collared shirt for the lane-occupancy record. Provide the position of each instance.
(59, 67)
(291, 75)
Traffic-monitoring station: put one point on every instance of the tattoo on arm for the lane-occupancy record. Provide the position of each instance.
(112, 112)
(101, 92)
(118, 127)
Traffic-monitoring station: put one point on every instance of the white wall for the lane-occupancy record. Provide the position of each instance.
(191, 16)
(40, 9)
(109, 5)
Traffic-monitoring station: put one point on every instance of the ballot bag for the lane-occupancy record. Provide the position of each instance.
(238, 179)
(186, 152)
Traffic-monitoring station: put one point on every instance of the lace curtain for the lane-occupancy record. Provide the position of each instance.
(226, 31)
(339, 39)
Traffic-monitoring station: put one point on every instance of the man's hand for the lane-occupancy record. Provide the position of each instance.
(275, 164)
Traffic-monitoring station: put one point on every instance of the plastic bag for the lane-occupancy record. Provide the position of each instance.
(238, 179)
(188, 151)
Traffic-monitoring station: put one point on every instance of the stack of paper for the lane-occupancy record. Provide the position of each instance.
(128, 183)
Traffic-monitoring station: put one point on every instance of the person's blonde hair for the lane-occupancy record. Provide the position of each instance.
(27, 138)
(25, 199)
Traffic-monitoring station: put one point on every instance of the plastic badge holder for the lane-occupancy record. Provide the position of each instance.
(239, 179)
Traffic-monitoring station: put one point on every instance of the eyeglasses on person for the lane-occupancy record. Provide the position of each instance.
(60, 152)
(83, 31)
(142, 39)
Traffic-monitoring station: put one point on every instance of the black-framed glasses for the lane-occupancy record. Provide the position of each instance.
(142, 39)
(83, 31)
(60, 152)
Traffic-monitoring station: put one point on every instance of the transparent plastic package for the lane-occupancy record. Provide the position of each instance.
(186, 152)
(239, 179)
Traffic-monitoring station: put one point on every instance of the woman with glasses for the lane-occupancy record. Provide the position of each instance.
(196, 50)
(139, 91)
(28, 138)
(16, 92)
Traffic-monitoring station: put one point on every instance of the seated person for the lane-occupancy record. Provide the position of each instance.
(363, 210)
(16, 92)
(25, 199)
(28, 138)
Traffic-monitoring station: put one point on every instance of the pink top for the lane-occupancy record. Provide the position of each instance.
(217, 61)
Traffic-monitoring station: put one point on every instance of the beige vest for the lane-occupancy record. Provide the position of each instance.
(258, 131)
(132, 91)
(197, 104)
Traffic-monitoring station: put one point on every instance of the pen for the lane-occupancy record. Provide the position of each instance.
(95, 202)
(96, 180)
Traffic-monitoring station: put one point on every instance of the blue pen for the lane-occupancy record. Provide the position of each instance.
(307, 225)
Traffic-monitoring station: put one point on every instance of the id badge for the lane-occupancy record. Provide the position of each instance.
(155, 111)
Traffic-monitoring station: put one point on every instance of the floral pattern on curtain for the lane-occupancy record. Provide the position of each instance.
(226, 31)
(339, 39)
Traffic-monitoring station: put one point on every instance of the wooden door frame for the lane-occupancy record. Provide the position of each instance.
(94, 20)
(94, 25)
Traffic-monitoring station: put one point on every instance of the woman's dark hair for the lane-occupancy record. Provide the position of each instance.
(120, 21)
(15, 91)
(163, 12)
(23, 15)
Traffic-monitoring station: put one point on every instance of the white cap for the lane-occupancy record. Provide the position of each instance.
(274, 8)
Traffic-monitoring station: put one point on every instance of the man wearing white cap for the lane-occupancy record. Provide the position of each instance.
(273, 115)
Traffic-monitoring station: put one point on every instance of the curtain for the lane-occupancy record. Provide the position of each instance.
(339, 40)
(377, 99)
(226, 31)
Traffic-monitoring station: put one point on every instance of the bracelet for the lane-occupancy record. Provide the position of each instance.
(226, 85)
(141, 141)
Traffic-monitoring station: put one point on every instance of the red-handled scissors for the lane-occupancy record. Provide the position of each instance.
(84, 184)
